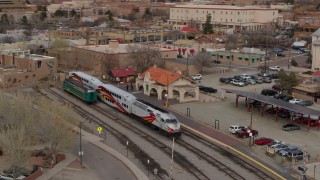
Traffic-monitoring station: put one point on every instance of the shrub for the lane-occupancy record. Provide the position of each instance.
(294, 62)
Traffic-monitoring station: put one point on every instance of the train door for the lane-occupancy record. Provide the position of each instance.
(162, 123)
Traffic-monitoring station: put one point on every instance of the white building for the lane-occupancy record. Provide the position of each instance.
(315, 50)
(246, 17)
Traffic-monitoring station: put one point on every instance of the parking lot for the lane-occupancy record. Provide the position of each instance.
(228, 114)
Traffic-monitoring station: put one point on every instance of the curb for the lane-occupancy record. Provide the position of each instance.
(235, 150)
(94, 140)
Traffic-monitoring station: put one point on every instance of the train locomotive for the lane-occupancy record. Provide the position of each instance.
(129, 104)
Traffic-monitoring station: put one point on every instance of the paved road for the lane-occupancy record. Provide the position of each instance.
(103, 164)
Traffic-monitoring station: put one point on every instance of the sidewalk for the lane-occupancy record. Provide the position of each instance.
(70, 168)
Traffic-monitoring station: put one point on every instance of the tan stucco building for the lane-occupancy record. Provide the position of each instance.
(246, 17)
(102, 58)
(315, 50)
(21, 68)
(167, 84)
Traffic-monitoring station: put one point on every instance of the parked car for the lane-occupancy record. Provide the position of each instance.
(263, 74)
(274, 76)
(296, 52)
(297, 155)
(305, 103)
(285, 151)
(274, 143)
(290, 127)
(277, 50)
(287, 98)
(234, 128)
(279, 96)
(207, 89)
(251, 81)
(279, 147)
(179, 56)
(307, 72)
(216, 61)
(268, 92)
(313, 122)
(237, 83)
(258, 80)
(275, 68)
(244, 133)
(294, 101)
(10, 177)
(281, 54)
(225, 80)
(196, 77)
(245, 76)
(256, 103)
(263, 141)
(266, 80)
(304, 50)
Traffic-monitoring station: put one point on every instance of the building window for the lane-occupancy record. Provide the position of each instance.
(221, 12)
(213, 12)
(231, 20)
(238, 13)
(226, 12)
(197, 11)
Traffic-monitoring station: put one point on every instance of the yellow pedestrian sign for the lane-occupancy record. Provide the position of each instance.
(99, 129)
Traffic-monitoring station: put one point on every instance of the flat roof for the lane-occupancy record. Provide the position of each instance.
(229, 7)
(122, 48)
(270, 100)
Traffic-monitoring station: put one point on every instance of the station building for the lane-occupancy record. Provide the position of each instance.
(235, 17)
(167, 84)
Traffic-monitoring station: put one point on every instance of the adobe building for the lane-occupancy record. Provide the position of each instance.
(101, 59)
(21, 68)
(167, 84)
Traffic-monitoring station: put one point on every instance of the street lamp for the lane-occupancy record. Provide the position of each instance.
(80, 151)
(188, 64)
(171, 164)
(127, 147)
(148, 167)
(250, 126)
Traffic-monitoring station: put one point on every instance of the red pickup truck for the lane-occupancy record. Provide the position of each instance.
(244, 133)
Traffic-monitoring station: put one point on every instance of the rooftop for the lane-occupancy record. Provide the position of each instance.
(162, 76)
(317, 33)
(122, 48)
(35, 57)
(276, 102)
(221, 7)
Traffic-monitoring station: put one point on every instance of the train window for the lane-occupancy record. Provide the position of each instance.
(163, 120)
(149, 110)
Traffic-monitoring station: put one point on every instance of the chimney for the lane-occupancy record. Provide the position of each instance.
(114, 44)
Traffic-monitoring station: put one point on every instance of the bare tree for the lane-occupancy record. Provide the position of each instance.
(202, 60)
(144, 56)
(26, 121)
(109, 62)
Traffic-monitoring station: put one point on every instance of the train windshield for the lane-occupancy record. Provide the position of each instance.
(172, 121)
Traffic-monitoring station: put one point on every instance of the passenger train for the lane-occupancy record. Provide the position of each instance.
(129, 104)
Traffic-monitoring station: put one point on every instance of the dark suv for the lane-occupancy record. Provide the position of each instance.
(268, 92)
(297, 155)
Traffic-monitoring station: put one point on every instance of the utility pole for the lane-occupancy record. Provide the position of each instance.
(80, 152)
(265, 57)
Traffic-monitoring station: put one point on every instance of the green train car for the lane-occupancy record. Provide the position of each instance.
(78, 89)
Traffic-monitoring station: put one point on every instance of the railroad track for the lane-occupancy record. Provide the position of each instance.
(237, 160)
(211, 160)
(181, 160)
(178, 158)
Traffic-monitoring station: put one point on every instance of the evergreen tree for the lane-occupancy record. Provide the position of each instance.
(208, 27)
(110, 15)
(24, 20)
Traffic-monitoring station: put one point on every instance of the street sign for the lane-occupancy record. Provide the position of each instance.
(99, 129)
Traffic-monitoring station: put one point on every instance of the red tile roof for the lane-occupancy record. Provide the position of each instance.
(317, 73)
(162, 76)
(188, 29)
(123, 72)
(204, 39)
